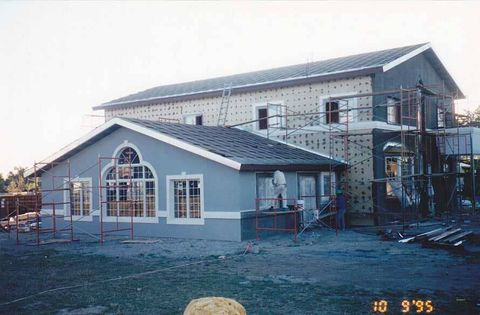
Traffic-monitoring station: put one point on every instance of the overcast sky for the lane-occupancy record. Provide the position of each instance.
(58, 59)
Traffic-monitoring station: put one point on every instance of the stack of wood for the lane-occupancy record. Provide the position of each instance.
(441, 237)
(26, 222)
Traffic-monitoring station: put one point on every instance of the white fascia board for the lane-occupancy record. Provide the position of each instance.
(146, 131)
(405, 57)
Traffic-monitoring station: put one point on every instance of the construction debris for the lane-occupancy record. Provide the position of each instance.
(26, 222)
(448, 237)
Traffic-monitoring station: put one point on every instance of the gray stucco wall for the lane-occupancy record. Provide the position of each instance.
(225, 189)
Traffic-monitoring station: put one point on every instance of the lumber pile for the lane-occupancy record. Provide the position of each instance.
(26, 222)
(441, 237)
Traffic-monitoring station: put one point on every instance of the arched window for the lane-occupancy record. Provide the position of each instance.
(130, 187)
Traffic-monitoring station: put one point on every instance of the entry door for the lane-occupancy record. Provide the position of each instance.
(307, 190)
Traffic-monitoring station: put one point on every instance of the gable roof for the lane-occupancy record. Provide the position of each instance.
(361, 64)
(235, 148)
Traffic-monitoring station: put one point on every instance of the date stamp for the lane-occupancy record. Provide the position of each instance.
(406, 306)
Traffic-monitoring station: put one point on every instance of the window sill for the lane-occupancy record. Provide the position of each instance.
(79, 218)
(186, 221)
(128, 219)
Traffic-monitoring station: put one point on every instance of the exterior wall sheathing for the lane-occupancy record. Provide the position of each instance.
(312, 132)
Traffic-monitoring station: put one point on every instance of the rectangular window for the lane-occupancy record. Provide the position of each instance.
(186, 195)
(277, 113)
(327, 186)
(262, 118)
(150, 198)
(393, 172)
(440, 116)
(130, 191)
(193, 119)
(81, 191)
(393, 111)
(307, 190)
(123, 202)
(332, 114)
(269, 115)
(112, 204)
(265, 190)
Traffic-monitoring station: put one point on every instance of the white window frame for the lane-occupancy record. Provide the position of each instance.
(265, 204)
(388, 189)
(67, 202)
(352, 102)
(392, 113)
(107, 167)
(268, 105)
(317, 188)
(194, 116)
(170, 200)
(441, 111)
(333, 183)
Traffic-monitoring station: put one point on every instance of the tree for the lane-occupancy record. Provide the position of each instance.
(3, 184)
(17, 181)
(471, 118)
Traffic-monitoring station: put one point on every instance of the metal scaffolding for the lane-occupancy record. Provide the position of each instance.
(428, 175)
(47, 204)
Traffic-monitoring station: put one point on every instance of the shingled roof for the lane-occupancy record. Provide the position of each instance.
(235, 148)
(253, 152)
(361, 64)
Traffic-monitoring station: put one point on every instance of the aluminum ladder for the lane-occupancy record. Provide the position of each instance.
(223, 112)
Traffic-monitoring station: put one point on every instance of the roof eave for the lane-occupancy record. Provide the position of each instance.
(291, 167)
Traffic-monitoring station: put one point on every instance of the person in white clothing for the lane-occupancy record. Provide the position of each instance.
(280, 185)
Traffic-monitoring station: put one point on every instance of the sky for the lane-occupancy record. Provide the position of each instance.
(59, 59)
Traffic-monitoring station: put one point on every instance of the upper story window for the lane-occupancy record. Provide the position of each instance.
(332, 114)
(337, 111)
(193, 119)
(394, 111)
(262, 114)
(269, 115)
(131, 188)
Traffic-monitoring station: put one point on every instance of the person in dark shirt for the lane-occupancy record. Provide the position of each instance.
(340, 200)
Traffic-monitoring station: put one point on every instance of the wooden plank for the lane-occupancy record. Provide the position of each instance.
(431, 233)
(424, 235)
(457, 237)
(443, 235)
(407, 240)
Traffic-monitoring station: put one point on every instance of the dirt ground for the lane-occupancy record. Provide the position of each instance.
(320, 274)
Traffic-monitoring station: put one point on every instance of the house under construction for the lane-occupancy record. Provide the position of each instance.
(381, 126)
(389, 114)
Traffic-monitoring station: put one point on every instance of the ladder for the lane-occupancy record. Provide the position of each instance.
(223, 112)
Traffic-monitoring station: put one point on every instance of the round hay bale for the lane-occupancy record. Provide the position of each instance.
(214, 306)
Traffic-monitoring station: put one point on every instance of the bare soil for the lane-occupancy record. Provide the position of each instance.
(321, 273)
